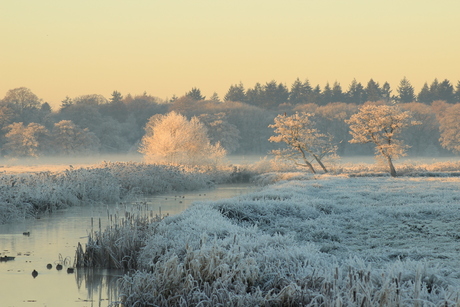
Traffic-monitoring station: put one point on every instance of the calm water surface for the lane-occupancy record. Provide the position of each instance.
(53, 239)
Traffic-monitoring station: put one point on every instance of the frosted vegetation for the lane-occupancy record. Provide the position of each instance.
(91, 124)
(357, 237)
(27, 194)
(381, 125)
(303, 140)
(173, 139)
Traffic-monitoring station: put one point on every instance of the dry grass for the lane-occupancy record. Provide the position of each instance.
(28, 193)
(117, 246)
(331, 241)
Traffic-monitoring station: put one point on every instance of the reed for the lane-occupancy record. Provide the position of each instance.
(27, 195)
(117, 246)
(306, 243)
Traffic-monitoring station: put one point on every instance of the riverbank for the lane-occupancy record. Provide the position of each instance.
(28, 194)
(28, 190)
(325, 241)
(58, 233)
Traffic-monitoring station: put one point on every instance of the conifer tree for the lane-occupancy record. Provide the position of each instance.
(356, 93)
(195, 94)
(373, 91)
(424, 96)
(405, 91)
(236, 93)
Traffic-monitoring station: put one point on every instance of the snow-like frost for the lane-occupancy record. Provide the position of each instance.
(323, 242)
(26, 194)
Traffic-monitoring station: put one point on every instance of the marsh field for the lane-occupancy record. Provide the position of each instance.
(354, 237)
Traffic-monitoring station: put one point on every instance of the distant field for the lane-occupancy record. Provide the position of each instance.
(56, 164)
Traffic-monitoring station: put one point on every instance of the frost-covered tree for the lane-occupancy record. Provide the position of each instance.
(381, 124)
(22, 98)
(305, 144)
(83, 115)
(330, 119)
(25, 106)
(172, 138)
(69, 139)
(6, 115)
(252, 123)
(450, 128)
(423, 138)
(221, 131)
(24, 141)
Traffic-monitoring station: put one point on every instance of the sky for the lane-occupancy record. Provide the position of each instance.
(167, 47)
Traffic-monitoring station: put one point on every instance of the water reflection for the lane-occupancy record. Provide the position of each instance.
(53, 239)
(99, 284)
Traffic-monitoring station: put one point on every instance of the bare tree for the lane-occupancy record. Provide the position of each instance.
(380, 124)
(305, 143)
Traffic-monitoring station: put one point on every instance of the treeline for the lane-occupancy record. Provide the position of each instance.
(90, 124)
(273, 94)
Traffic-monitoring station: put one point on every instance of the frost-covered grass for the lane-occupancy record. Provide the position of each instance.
(327, 241)
(118, 246)
(268, 171)
(27, 194)
(406, 168)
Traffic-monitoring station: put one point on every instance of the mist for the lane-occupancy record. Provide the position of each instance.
(93, 125)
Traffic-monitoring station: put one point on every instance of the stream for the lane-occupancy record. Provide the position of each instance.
(53, 238)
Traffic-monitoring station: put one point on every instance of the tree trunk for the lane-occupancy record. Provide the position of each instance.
(307, 163)
(392, 168)
(320, 163)
(311, 167)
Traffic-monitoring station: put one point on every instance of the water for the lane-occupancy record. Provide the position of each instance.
(53, 239)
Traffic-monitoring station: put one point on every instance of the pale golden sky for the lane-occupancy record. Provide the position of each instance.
(61, 48)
